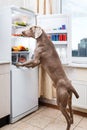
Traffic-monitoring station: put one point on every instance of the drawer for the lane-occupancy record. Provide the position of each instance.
(4, 68)
(4, 95)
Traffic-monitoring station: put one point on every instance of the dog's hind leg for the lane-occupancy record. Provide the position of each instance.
(62, 106)
(70, 107)
(66, 115)
(62, 99)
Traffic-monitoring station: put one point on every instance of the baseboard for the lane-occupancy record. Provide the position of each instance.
(4, 120)
(52, 104)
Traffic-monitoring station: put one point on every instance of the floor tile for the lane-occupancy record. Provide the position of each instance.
(61, 121)
(22, 126)
(79, 128)
(6, 127)
(28, 117)
(49, 112)
(39, 121)
(55, 126)
(83, 123)
(11, 126)
(77, 119)
(25, 126)
(46, 118)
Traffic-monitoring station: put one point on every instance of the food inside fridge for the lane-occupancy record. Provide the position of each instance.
(21, 23)
(16, 34)
(22, 59)
(20, 56)
(20, 48)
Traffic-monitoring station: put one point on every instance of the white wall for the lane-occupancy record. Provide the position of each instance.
(11, 2)
(32, 5)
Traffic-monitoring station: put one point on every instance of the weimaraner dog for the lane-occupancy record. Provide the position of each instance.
(46, 55)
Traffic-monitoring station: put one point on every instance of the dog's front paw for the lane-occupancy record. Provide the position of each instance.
(19, 64)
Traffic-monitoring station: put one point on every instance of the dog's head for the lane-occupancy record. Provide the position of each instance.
(34, 32)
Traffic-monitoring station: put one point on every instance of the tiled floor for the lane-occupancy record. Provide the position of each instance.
(47, 119)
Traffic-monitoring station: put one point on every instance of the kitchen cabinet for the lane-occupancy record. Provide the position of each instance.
(5, 32)
(4, 90)
(5, 59)
(78, 77)
(81, 88)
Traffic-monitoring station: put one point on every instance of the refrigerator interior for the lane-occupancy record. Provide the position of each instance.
(58, 29)
(24, 81)
(22, 19)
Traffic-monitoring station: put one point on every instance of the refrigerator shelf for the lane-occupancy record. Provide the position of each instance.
(60, 42)
(20, 26)
(55, 31)
(22, 10)
(15, 37)
(20, 52)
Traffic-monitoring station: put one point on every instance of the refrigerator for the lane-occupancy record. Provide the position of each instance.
(24, 81)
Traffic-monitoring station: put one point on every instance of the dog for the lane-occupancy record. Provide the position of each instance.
(46, 55)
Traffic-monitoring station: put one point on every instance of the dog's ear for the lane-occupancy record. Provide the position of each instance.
(38, 32)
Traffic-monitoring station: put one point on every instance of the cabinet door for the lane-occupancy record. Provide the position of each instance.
(5, 35)
(81, 88)
(4, 95)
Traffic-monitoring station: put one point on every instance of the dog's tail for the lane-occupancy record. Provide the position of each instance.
(75, 92)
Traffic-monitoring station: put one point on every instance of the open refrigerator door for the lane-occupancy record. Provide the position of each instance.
(58, 29)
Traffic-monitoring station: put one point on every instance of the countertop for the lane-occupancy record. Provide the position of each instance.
(4, 62)
(76, 65)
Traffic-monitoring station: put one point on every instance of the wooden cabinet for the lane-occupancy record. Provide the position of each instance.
(4, 90)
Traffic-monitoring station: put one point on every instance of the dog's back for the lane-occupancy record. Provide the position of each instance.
(49, 58)
(50, 61)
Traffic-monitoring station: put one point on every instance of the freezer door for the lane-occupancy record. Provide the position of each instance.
(5, 35)
(24, 90)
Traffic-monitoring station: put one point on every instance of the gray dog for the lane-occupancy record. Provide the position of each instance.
(46, 55)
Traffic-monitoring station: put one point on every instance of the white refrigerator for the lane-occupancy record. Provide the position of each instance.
(24, 81)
